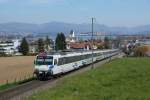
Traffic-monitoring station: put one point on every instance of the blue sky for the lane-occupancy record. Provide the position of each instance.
(108, 12)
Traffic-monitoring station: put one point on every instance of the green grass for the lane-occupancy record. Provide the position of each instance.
(6, 86)
(121, 79)
(14, 84)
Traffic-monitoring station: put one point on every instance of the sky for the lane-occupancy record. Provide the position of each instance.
(108, 12)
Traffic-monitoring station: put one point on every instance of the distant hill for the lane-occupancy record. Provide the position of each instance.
(18, 27)
(55, 27)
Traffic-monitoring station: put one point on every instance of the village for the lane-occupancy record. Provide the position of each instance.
(11, 47)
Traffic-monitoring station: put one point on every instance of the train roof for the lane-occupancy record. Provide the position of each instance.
(73, 53)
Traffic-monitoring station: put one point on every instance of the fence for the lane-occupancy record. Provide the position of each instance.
(18, 80)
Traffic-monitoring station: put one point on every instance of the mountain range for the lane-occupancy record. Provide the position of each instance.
(55, 27)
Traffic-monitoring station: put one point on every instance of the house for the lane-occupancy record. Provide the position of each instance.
(79, 46)
(144, 42)
(85, 45)
(33, 47)
(9, 47)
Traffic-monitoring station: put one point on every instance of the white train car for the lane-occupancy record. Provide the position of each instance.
(54, 64)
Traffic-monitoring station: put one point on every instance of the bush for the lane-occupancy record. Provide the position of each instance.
(140, 51)
(5, 55)
(100, 47)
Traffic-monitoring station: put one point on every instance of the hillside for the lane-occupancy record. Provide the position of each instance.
(120, 79)
(55, 27)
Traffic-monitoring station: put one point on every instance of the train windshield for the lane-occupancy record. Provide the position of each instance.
(44, 60)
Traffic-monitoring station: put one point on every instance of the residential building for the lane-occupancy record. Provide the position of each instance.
(9, 47)
(85, 45)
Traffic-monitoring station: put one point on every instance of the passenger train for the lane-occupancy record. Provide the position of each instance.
(46, 65)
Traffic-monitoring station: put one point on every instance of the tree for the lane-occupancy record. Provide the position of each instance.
(47, 43)
(106, 43)
(40, 45)
(24, 47)
(60, 41)
(100, 47)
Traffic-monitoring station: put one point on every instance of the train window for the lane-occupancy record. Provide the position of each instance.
(55, 61)
(60, 61)
(66, 60)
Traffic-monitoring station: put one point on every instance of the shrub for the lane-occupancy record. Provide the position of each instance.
(140, 51)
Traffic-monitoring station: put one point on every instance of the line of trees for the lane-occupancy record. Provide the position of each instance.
(60, 43)
(44, 45)
(107, 44)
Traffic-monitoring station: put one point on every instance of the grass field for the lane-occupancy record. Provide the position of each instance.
(121, 79)
(15, 68)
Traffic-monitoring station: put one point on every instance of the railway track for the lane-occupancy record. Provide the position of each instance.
(10, 93)
(26, 89)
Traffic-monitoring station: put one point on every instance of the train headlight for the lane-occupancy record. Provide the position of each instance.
(50, 66)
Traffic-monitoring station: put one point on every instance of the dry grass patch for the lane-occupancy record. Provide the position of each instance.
(12, 68)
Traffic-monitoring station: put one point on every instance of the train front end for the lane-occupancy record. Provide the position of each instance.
(42, 66)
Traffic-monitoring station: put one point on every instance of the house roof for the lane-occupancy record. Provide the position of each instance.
(81, 45)
(77, 45)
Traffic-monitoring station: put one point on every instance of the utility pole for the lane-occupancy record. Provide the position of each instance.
(92, 45)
